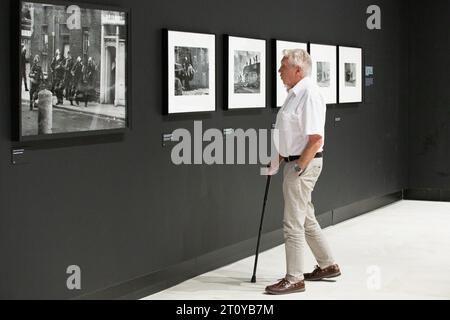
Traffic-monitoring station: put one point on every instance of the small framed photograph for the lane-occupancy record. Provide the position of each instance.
(74, 70)
(324, 70)
(191, 72)
(350, 75)
(246, 66)
(279, 47)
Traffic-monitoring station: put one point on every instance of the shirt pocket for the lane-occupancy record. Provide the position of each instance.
(288, 121)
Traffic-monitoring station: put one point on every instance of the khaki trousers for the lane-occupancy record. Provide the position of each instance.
(299, 223)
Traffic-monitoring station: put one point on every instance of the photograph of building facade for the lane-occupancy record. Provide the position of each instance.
(246, 72)
(81, 57)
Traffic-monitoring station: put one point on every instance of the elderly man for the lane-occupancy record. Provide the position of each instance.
(301, 127)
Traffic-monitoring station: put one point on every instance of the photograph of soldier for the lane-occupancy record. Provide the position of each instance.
(246, 71)
(350, 74)
(77, 81)
(36, 79)
(323, 74)
(58, 72)
(191, 71)
(80, 57)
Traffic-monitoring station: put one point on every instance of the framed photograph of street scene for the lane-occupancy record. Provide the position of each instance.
(279, 47)
(191, 72)
(246, 73)
(350, 74)
(73, 69)
(324, 70)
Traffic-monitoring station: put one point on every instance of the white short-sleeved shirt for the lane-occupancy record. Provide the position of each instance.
(302, 114)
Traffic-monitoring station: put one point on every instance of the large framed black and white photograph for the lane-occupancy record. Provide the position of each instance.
(279, 47)
(191, 72)
(246, 79)
(324, 70)
(73, 70)
(350, 75)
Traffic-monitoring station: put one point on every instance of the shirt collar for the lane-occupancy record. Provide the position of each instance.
(298, 87)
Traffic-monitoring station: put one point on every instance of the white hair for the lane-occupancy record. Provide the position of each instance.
(300, 58)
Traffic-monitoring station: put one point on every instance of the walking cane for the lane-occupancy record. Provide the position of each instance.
(260, 228)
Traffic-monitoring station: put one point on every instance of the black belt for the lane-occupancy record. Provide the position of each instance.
(293, 158)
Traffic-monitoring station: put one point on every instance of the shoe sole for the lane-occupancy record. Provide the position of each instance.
(280, 293)
(334, 275)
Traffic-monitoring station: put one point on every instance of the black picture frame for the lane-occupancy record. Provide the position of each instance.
(17, 118)
(336, 89)
(263, 72)
(361, 78)
(166, 72)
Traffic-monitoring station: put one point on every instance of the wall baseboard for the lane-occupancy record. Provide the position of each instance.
(358, 208)
(163, 279)
(428, 194)
(325, 219)
(166, 278)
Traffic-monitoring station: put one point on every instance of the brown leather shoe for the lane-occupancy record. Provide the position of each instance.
(325, 273)
(285, 287)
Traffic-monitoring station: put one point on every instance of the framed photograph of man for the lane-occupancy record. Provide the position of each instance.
(350, 74)
(281, 92)
(324, 70)
(73, 70)
(246, 78)
(191, 72)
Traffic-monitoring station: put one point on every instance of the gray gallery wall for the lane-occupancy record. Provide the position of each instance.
(119, 209)
(429, 116)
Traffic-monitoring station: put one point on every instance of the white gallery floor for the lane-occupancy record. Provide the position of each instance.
(401, 251)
